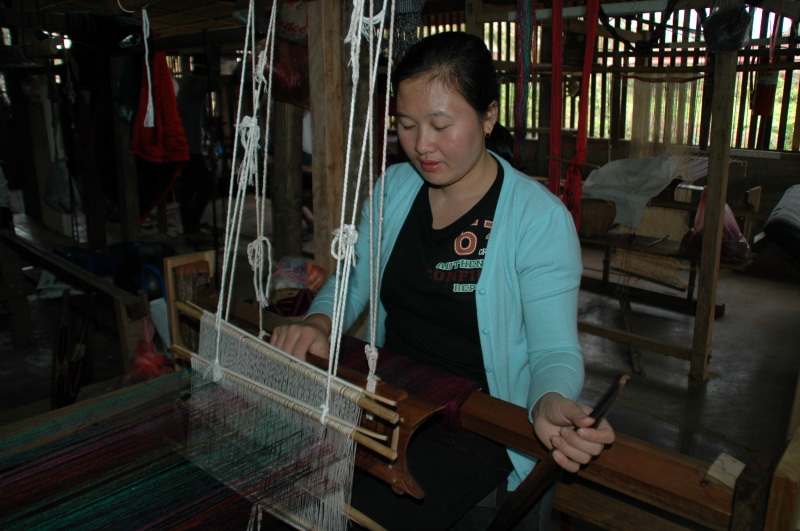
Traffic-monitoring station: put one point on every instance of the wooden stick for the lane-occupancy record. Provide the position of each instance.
(363, 520)
(567, 161)
(362, 401)
(546, 471)
(361, 435)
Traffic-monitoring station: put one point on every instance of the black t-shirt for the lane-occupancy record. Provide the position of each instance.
(429, 283)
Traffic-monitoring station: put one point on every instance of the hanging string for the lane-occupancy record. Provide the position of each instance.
(265, 57)
(249, 134)
(149, 117)
(371, 350)
(573, 187)
(343, 245)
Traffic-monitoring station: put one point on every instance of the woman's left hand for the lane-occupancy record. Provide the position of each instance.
(565, 427)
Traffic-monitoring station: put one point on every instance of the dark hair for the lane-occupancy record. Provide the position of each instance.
(463, 62)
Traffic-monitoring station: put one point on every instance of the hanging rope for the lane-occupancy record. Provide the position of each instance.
(248, 133)
(343, 245)
(149, 117)
(573, 187)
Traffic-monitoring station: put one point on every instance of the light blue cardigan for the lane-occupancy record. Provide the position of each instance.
(527, 295)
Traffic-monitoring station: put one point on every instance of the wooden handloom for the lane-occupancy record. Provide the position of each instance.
(632, 485)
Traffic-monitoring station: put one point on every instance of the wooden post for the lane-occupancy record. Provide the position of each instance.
(471, 24)
(325, 81)
(287, 182)
(545, 94)
(783, 508)
(94, 199)
(709, 102)
(718, 164)
(127, 177)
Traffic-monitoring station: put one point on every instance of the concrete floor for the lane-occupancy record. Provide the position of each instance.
(744, 408)
(746, 404)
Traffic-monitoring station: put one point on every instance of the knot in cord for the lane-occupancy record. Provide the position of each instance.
(325, 410)
(250, 132)
(261, 65)
(371, 353)
(344, 239)
(255, 255)
(214, 370)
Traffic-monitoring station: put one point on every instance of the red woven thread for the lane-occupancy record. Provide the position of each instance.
(573, 187)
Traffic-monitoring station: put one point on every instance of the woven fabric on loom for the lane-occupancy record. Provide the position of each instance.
(418, 379)
(170, 456)
(115, 464)
(260, 434)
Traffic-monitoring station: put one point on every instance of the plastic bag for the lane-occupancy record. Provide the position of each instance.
(147, 362)
(727, 28)
(298, 273)
(734, 244)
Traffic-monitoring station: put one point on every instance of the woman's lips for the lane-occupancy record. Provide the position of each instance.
(428, 165)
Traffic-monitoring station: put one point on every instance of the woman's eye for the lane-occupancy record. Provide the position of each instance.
(440, 129)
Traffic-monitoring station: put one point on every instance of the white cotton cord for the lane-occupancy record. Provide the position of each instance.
(343, 244)
(254, 524)
(345, 236)
(361, 25)
(340, 249)
(233, 216)
(354, 31)
(265, 57)
(371, 352)
(149, 116)
(119, 3)
(255, 255)
(248, 133)
(375, 236)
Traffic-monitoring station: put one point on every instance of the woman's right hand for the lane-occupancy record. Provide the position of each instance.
(308, 336)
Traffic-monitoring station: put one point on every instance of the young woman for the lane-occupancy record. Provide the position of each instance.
(480, 276)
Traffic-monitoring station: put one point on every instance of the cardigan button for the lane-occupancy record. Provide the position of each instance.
(482, 291)
(485, 331)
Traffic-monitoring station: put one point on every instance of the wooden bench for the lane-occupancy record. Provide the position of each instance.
(32, 242)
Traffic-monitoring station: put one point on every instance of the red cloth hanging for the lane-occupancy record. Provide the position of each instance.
(573, 187)
(166, 141)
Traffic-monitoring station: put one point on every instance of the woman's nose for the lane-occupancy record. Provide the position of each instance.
(423, 143)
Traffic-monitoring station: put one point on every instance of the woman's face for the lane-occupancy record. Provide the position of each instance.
(440, 132)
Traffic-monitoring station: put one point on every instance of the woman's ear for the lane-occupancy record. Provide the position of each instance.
(490, 118)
